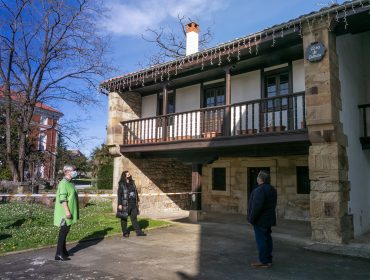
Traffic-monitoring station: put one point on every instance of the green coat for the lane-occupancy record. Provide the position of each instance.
(66, 192)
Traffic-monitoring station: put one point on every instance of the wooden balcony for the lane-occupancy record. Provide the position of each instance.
(244, 122)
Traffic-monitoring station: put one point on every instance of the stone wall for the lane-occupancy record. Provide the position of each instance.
(122, 107)
(234, 200)
(154, 178)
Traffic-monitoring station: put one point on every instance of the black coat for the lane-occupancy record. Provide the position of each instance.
(262, 205)
(122, 195)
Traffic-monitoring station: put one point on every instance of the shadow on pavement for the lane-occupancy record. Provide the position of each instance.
(90, 240)
(184, 276)
(142, 223)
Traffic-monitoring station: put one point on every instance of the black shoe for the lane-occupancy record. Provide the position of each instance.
(126, 235)
(141, 234)
(61, 258)
(65, 253)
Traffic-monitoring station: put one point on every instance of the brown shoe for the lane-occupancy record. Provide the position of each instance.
(260, 265)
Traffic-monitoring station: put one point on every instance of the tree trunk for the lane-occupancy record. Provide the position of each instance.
(27, 116)
(8, 117)
(21, 156)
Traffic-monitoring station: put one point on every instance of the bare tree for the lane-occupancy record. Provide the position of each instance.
(47, 47)
(172, 43)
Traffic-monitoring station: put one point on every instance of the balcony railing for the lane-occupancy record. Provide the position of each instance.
(268, 115)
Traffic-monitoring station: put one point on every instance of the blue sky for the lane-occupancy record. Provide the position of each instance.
(127, 20)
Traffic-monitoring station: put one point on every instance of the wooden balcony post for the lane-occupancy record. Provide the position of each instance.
(164, 110)
(227, 115)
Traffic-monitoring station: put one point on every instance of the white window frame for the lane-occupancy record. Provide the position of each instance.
(43, 120)
(42, 141)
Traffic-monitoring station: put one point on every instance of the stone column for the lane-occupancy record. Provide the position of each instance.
(328, 162)
(122, 107)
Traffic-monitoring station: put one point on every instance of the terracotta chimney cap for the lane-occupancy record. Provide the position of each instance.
(192, 26)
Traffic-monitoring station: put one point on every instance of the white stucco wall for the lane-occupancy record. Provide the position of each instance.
(298, 76)
(246, 86)
(354, 74)
(187, 98)
(149, 104)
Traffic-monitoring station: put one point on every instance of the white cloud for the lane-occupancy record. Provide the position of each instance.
(133, 18)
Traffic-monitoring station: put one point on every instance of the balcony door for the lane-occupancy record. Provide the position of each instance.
(213, 119)
(170, 105)
(214, 95)
(276, 112)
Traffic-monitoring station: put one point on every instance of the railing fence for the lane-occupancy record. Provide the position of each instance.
(282, 113)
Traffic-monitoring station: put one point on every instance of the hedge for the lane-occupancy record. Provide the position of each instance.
(105, 177)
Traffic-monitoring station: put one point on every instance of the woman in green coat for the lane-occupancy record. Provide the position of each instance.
(66, 210)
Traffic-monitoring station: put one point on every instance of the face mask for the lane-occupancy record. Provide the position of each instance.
(74, 174)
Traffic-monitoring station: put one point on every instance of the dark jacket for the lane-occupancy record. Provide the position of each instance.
(122, 195)
(262, 205)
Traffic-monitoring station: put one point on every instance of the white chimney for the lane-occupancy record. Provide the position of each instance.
(192, 38)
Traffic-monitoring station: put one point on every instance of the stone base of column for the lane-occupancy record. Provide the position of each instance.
(195, 216)
(332, 230)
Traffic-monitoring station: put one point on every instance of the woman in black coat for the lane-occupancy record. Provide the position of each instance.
(128, 203)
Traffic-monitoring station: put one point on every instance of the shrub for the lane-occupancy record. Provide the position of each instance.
(105, 177)
(5, 173)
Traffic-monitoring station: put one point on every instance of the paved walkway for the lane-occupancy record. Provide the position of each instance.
(299, 232)
(209, 250)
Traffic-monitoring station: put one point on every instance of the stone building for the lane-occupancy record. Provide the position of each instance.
(290, 99)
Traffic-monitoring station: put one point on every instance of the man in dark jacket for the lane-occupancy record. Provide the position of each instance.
(262, 215)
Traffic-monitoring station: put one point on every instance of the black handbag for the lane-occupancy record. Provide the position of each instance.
(121, 214)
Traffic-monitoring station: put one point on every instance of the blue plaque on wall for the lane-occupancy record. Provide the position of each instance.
(315, 52)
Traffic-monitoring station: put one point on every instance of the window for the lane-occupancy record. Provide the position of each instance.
(39, 172)
(170, 106)
(214, 95)
(303, 181)
(219, 179)
(43, 120)
(276, 83)
(42, 142)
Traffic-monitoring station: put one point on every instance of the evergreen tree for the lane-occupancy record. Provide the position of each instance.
(62, 156)
(102, 167)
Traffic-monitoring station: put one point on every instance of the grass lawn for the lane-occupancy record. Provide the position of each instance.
(25, 225)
